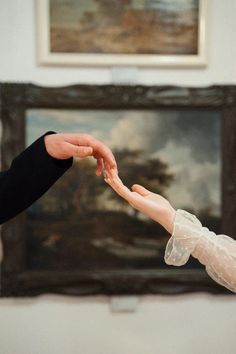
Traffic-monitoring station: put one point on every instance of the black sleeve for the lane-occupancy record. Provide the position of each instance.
(30, 175)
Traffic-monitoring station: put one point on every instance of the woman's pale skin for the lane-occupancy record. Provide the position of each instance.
(216, 252)
(150, 204)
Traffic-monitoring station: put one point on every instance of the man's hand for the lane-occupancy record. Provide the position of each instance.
(150, 204)
(64, 146)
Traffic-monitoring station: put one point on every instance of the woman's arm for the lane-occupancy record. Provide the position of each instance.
(216, 252)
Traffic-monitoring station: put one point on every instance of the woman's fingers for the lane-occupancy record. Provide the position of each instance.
(119, 187)
(133, 198)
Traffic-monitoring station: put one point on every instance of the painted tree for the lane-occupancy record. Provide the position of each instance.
(79, 190)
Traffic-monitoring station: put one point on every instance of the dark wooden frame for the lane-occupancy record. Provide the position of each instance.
(15, 99)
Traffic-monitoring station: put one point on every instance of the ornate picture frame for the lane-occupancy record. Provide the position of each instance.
(20, 278)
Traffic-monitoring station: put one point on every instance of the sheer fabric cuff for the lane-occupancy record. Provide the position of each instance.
(186, 234)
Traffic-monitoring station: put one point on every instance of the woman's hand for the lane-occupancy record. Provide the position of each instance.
(150, 204)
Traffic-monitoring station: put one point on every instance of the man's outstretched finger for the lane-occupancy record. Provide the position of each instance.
(104, 152)
(100, 166)
(99, 149)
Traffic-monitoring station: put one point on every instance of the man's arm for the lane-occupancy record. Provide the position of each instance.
(30, 175)
(37, 168)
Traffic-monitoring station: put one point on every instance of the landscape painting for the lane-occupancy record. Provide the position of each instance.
(81, 224)
(124, 26)
(122, 32)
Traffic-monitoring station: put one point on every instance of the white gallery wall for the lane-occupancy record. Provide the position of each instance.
(161, 324)
(18, 59)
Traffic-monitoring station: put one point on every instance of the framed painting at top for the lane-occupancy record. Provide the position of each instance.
(80, 238)
(122, 32)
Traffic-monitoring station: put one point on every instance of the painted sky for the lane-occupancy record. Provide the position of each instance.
(188, 141)
(67, 13)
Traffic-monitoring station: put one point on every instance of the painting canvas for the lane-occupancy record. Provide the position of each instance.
(80, 238)
(122, 32)
(81, 223)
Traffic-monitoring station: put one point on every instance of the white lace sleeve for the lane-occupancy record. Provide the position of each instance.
(216, 252)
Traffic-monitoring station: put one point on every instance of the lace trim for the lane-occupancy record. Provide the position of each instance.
(186, 234)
